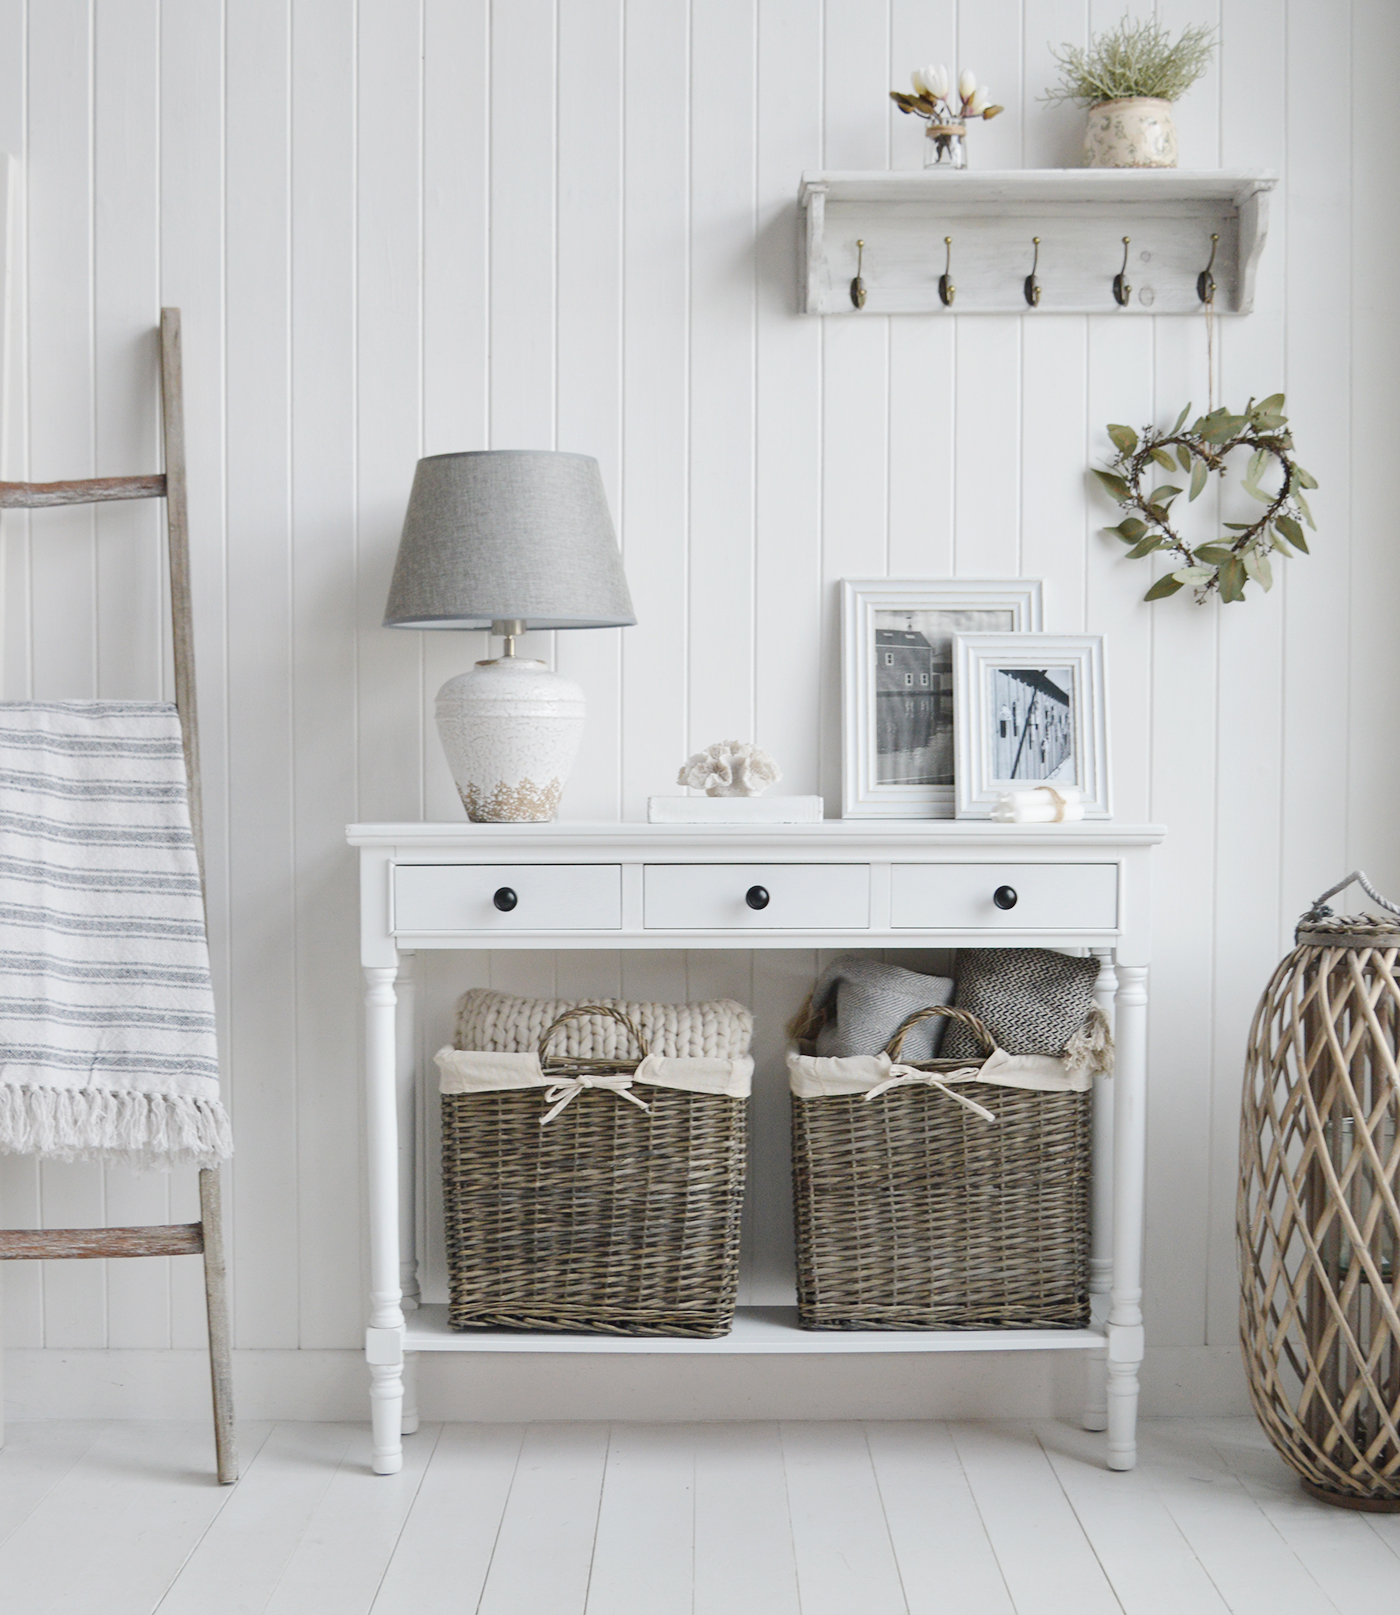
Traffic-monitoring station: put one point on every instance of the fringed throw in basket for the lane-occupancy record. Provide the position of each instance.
(593, 1194)
(942, 1194)
(1318, 1218)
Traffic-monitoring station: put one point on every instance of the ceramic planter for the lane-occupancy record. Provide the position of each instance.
(511, 729)
(1136, 133)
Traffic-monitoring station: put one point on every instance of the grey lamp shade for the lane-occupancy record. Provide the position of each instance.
(508, 533)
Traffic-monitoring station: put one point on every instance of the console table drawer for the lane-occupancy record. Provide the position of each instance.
(507, 897)
(963, 897)
(756, 897)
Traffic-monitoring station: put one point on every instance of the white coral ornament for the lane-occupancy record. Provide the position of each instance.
(729, 768)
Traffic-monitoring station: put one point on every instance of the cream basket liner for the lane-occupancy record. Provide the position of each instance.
(812, 1077)
(475, 1071)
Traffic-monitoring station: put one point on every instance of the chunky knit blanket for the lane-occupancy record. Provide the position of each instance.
(107, 1046)
(503, 1023)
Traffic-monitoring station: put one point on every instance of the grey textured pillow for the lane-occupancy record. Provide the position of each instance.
(1031, 1000)
(872, 1001)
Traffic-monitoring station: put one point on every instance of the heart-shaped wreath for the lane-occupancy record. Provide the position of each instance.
(1201, 448)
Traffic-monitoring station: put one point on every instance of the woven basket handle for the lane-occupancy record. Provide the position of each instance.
(964, 1017)
(591, 1009)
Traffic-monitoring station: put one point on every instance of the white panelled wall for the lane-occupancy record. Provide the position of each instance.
(409, 226)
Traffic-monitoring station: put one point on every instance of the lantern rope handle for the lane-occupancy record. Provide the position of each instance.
(1320, 911)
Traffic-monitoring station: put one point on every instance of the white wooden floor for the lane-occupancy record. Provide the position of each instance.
(826, 1519)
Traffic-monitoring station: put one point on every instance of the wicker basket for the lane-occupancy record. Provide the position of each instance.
(913, 1213)
(609, 1218)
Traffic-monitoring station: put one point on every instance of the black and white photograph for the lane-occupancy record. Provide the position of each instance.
(1033, 715)
(897, 696)
(1029, 709)
(914, 691)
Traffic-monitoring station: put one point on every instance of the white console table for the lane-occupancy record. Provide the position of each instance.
(841, 883)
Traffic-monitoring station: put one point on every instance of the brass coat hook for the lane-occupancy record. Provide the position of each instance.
(1032, 287)
(1122, 291)
(946, 289)
(858, 285)
(1205, 281)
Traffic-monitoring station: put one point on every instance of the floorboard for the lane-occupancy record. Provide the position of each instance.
(946, 1560)
(644, 1554)
(895, 1518)
(1049, 1564)
(35, 1457)
(444, 1551)
(238, 1563)
(545, 1546)
(744, 1560)
(1150, 1565)
(845, 1558)
(1338, 1548)
(1253, 1568)
(112, 1534)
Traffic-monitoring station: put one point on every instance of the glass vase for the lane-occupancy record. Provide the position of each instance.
(946, 145)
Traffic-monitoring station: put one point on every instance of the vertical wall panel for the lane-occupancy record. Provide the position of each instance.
(413, 226)
(131, 600)
(192, 235)
(262, 855)
(322, 296)
(656, 289)
(588, 400)
(721, 582)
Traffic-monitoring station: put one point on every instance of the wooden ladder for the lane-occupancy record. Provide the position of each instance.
(206, 1236)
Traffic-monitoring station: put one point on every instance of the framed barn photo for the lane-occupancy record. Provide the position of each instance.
(897, 684)
(1029, 709)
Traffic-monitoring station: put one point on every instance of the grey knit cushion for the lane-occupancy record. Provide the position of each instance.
(1032, 1001)
(871, 1001)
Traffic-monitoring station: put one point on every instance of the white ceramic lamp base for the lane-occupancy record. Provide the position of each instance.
(511, 730)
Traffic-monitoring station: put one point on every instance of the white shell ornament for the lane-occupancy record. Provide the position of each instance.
(729, 768)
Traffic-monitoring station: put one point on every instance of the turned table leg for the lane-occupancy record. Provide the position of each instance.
(385, 1334)
(1125, 1338)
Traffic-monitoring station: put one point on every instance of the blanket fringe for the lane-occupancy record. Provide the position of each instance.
(149, 1132)
(1090, 1050)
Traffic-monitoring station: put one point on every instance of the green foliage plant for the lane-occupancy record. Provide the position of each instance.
(1196, 451)
(1135, 58)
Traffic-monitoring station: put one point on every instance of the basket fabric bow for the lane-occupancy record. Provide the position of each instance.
(901, 1076)
(561, 1094)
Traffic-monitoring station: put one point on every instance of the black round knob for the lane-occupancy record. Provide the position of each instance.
(1004, 897)
(505, 899)
(757, 897)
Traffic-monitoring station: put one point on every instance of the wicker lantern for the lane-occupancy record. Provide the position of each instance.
(1318, 1221)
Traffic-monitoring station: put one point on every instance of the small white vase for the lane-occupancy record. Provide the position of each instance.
(1136, 133)
(511, 730)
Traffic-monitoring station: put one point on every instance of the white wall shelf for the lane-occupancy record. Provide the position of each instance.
(1080, 214)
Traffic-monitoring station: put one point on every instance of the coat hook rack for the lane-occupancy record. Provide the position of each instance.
(1205, 281)
(1122, 291)
(1032, 286)
(946, 289)
(858, 285)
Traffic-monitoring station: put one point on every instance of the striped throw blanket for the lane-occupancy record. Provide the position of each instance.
(107, 1046)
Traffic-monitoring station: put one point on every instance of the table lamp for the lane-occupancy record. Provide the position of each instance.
(509, 539)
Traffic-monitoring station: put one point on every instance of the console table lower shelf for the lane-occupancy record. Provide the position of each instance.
(758, 1331)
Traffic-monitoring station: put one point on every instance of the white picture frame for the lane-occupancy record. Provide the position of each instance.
(1029, 709)
(881, 777)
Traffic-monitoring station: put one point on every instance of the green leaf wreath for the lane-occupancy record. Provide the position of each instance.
(1194, 451)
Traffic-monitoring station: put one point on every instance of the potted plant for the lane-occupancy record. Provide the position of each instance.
(1128, 79)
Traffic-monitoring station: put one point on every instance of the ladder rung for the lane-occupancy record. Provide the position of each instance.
(166, 1239)
(96, 490)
